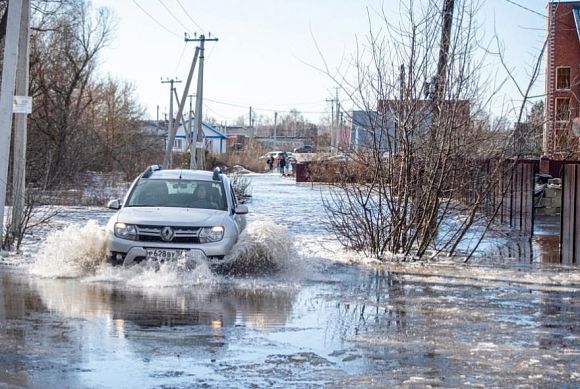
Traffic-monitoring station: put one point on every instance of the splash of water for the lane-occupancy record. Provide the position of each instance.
(263, 247)
(71, 253)
(152, 275)
(79, 252)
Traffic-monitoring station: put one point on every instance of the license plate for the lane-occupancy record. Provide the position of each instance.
(164, 255)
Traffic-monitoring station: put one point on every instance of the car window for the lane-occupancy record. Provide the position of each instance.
(178, 193)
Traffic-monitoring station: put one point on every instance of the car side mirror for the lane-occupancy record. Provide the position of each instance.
(114, 204)
(241, 210)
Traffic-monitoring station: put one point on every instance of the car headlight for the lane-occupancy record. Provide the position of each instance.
(211, 234)
(126, 231)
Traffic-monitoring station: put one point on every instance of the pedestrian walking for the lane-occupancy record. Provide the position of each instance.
(282, 164)
(270, 162)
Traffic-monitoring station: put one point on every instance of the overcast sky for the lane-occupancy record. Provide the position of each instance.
(266, 50)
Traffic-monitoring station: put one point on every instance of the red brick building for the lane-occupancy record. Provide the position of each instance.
(562, 104)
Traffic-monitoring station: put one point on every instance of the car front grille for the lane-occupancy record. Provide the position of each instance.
(181, 234)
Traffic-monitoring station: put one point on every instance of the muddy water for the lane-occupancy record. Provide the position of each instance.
(324, 318)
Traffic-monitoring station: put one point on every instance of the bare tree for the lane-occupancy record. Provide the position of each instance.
(429, 171)
(63, 64)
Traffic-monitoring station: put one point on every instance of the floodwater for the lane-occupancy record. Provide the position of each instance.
(299, 312)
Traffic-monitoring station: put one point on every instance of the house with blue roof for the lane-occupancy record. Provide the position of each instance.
(213, 139)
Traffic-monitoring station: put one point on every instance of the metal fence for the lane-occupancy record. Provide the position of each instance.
(570, 214)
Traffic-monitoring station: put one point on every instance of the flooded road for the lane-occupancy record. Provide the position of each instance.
(325, 318)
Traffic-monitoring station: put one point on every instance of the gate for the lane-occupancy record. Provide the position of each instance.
(516, 193)
(521, 197)
(570, 214)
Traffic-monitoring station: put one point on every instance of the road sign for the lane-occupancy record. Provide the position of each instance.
(22, 104)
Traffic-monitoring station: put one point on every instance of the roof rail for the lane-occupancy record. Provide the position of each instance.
(217, 174)
(147, 173)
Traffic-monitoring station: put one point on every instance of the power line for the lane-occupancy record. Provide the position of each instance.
(245, 106)
(155, 20)
(210, 53)
(526, 8)
(173, 15)
(189, 16)
(218, 114)
(180, 58)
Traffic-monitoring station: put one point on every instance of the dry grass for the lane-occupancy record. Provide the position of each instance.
(252, 163)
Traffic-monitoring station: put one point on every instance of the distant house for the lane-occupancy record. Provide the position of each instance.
(152, 127)
(562, 101)
(370, 129)
(365, 129)
(213, 139)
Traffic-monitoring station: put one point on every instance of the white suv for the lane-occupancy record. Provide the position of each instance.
(167, 213)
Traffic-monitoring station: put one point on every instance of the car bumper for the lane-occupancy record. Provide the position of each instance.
(122, 251)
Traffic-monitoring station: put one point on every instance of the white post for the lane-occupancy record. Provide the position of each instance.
(20, 128)
(7, 95)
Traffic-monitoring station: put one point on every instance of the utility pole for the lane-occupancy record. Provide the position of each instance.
(338, 129)
(192, 160)
(182, 117)
(275, 129)
(251, 129)
(168, 160)
(444, 49)
(168, 151)
(295, 114)
(198, 134)
(20, 128)
(6, 96)
(341, 126)
(332, 136)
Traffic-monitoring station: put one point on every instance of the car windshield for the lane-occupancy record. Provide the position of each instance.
(177, 193)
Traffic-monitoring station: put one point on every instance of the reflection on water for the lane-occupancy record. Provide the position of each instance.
(505, 321)
(129, 326)
(442, 328)
(222, 306)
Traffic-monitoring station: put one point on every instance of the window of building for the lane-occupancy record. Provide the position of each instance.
(563, 78)
(178, 145)
(562, 109)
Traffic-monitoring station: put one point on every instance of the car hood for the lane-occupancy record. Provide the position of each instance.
(170, 216)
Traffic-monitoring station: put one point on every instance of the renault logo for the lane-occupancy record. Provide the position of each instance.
(167, 234)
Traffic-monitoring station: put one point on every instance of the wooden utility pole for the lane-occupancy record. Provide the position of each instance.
(20, 128)
(198, 133)
(6, 96)
(443, 62)
(167, 159)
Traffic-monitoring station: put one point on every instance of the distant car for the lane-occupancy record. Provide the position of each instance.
(340, 157)
(167, 213)
(273, 154)
(305, 149)
(276, 154)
